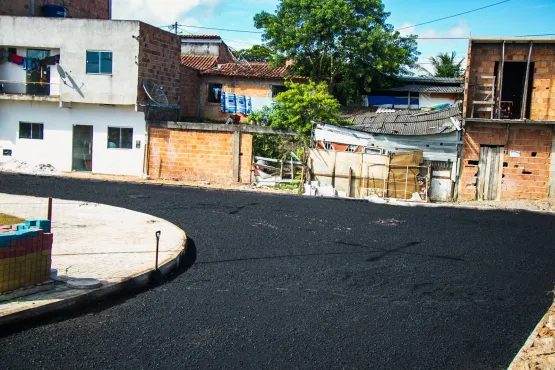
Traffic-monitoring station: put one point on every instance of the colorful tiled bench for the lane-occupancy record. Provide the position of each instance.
(25, 254)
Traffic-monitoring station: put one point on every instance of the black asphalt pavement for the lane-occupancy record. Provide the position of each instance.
(294, 282)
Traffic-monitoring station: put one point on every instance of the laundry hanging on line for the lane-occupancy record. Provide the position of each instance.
(16, 59)
(31, 64)
(232, 103)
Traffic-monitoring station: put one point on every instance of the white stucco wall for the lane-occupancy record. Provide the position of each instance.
(57, 146)
(200, 47)
(73, 37)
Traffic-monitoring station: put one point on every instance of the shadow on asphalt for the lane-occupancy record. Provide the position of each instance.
(129, 291)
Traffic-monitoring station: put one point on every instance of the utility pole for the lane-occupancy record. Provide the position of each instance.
(175, 27)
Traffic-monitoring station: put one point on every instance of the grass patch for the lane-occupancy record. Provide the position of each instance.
(10, 220)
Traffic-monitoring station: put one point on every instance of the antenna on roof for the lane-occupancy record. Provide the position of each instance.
(155, 92)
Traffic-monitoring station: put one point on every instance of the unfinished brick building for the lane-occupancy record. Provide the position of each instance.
(509, 111)
(91, 9)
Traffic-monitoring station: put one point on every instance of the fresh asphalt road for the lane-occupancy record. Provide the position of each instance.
(293, 282)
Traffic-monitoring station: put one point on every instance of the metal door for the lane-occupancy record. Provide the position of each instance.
(489, 172)
(82, 148)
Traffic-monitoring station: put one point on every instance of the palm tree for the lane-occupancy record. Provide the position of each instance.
(445, 66)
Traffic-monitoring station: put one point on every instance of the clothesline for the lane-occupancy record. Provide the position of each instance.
(27, 82)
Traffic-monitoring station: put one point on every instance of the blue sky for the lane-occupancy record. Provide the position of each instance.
(516, 17)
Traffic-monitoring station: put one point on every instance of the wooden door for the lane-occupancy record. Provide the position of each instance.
(489, 172)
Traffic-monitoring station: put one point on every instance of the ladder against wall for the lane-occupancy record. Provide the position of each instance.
(484, 95)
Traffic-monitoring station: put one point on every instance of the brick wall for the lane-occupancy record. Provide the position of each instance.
(25, 255)
(91, 9)
(524, 177)
(190, 92)
(197, 155)
(160, 61)
(225, 55)
(482, 59)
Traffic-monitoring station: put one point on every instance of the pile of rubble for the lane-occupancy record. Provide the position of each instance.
(14, 165)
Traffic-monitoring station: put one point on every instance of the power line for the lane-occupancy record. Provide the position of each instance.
(220, 29)
(454, 15)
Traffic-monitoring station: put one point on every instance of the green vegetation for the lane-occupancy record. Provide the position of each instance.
(444, 65)
(299, 108)
(257, 53)
(345, 43)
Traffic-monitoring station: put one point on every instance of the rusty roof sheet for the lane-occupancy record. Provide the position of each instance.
(200, 62)
(251, 70)
(409, 122)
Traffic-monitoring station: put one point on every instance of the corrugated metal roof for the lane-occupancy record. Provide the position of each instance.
(432, 80)
(204, 37)
(428, 89)
(258, 70)
(409, 122)
(200, 62)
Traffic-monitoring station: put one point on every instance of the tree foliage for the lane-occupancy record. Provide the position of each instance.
(257, 53)
(445, 65)
(345, 43)
(299, 107)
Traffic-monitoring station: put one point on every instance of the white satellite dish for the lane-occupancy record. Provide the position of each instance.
(155, 92)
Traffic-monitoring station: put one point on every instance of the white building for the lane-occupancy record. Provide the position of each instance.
(85, 113)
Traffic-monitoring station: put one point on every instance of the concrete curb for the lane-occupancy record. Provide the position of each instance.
(141, 279)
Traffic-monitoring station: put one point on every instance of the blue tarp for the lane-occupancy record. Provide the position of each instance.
(392, 100)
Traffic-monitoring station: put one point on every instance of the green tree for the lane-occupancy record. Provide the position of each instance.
(257, 53)
(445, 65)
(345, 43)
(299, 107)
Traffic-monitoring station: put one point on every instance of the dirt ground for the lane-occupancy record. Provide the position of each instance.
(539, 351)
(544, 205)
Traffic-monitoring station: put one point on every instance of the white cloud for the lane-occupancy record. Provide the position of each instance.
(157, 12)
(429, 48)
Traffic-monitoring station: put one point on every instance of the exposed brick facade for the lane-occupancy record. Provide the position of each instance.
(91, 9)
(197, 155)
(160, 61)
(190, 93)
(482, 58)
(524, 177)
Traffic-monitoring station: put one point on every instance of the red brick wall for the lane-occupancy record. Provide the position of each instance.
(190, 92)
(482, 59)
(197, 155)
(225, 55)
(160, 61)
(515, 184)
(92, 9)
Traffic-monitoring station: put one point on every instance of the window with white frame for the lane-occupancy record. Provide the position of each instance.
(352, 148)
(99, 62)
(328, 145)
(31, 130)
(120, 138)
